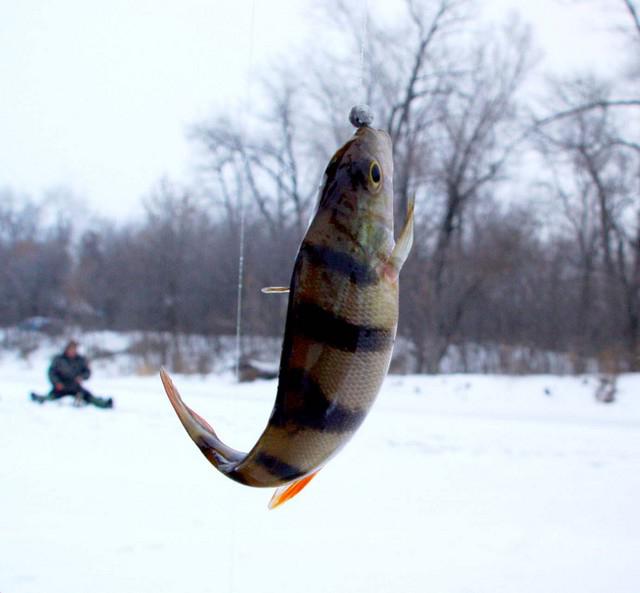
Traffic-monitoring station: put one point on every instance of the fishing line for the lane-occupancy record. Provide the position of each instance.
(243, 215)
(364, 38)
(239, 288)
(242, 205)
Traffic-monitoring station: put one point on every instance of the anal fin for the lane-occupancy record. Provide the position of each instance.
(288, 491)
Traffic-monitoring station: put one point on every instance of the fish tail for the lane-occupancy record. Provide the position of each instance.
(221, 456)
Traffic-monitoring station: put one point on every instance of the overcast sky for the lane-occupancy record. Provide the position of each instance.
(96, 96)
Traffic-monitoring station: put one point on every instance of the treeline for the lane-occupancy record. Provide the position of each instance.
(528, 216)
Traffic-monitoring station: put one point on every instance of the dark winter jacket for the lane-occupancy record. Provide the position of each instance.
(66, 370)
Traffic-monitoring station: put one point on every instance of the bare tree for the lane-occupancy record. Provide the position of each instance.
(34, 260)
(596, 177)
(263, 163)
(472, 135)
(448, 101)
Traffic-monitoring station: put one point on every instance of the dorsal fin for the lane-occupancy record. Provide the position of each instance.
(275, 290)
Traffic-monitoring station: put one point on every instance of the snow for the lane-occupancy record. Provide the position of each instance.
(454, 484)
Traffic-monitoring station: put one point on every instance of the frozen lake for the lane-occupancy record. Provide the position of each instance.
(454, 484)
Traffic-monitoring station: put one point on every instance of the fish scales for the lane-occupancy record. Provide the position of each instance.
(340, 327)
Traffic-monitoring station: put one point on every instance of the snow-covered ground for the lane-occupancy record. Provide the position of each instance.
(454, 484)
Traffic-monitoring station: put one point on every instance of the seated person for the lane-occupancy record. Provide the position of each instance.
(67, 373)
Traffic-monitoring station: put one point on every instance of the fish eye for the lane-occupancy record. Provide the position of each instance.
(375, 175)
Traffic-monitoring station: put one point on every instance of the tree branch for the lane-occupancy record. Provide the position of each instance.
(586, 107)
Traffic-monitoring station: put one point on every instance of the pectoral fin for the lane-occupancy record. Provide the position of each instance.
(288, 491)
(275, 290)
(402, 248)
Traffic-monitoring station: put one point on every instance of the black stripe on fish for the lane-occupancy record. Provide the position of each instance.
(301, 403)
(239, 476)
(339, 262)
(318, 324)
(338, 174)
(279, 468)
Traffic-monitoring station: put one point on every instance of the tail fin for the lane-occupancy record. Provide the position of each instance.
(220, 455)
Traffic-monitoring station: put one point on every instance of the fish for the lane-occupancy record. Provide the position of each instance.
(341, 324)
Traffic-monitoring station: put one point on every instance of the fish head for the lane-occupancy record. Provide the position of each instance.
(356, 198)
